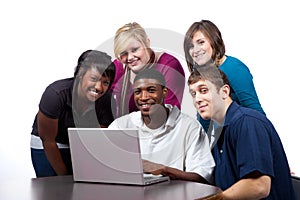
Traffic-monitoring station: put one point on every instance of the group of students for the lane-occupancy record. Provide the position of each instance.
(232, 144)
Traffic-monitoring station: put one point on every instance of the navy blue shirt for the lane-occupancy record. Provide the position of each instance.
(56, 103)
(249, 143)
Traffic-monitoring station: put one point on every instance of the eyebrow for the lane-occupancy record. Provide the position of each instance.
(130, 49)
(200, 85)
(147, 87)
(202, 38)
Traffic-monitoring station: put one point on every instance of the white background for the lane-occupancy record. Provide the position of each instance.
(41, 41)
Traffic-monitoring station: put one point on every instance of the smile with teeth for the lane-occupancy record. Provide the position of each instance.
(94, 92)
(199, 54)
(132, 61)
(145, 106)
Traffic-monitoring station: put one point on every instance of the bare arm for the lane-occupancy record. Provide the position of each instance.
(254, 186)
(47, 129)
(156, 169)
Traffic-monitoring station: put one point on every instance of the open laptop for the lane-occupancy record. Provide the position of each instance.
(108, 156)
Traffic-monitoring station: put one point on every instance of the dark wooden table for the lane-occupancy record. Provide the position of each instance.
(63, 187)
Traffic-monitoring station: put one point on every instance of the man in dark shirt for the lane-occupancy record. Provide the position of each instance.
(250, 159)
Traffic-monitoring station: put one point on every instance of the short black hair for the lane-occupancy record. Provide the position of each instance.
(151, 73)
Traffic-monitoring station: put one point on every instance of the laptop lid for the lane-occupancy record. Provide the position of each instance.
(107, 156)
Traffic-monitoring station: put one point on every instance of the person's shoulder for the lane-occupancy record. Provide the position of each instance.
(117, 63)
(247, 119)
(187, 118)
(249, 112)
(192, 124)
(234, 60)
(61, 84)
(234, 65)
(171, 61)
(250, 115)
(164, 56)
(58, 93)
(129, 120)
(119, 69)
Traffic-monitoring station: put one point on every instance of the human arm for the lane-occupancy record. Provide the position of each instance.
(47, 129)
(118, 74)
(174, 74)
(157, 169)
(114, 124)
(241, 81)
(198, 157)
(116, 88)
(104, 109)
(122, 122)
(197, 163)
(253, 186)
(249, 161)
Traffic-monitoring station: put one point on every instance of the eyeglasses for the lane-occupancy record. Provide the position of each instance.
(124, 55)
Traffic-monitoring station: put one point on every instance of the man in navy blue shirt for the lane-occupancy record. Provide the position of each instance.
(250, 159)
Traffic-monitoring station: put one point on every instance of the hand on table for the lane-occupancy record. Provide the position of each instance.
(153, 168)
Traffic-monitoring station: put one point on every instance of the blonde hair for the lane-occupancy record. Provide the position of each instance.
(127, 32)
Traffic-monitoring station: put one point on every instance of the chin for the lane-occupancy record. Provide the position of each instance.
(205, 117)
(201, 62)
(136, 69)
(92, 99)
(145, 114)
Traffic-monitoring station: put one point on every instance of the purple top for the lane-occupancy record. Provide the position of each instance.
(169, 66)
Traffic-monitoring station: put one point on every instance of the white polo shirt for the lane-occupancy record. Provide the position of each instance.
(180, 143)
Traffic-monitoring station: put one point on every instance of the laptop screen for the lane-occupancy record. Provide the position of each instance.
(105, 155)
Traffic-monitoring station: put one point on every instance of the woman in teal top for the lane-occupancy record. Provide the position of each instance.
(203, 43)
(241, 80)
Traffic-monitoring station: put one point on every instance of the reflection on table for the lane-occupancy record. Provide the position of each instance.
(63, 187)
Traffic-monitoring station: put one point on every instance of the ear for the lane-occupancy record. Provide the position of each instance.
(165, 92)
(225, 90)
(148, 42)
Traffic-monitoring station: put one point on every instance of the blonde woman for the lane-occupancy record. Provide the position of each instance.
(134, 54)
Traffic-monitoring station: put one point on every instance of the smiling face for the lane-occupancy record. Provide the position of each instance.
(92, 85)
(209, 102)
(147, 94)
(135, 55)
(200, 49)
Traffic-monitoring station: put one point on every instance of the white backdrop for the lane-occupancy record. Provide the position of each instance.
(41, 41)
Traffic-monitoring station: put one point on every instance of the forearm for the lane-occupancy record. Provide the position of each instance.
(156, 169)
(55, 159)
(48, 129)
(249, 188)
(182, 175)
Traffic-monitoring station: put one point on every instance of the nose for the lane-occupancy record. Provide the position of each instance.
(99, 87)
(198, 97)
(130, 55)
(144, 95)
(196, 48)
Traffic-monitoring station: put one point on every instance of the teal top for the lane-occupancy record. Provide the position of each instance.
(242, 86)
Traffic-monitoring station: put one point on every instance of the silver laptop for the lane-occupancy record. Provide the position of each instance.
(108, 156)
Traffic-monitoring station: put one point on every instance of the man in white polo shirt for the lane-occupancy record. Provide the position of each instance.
(172, 143)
